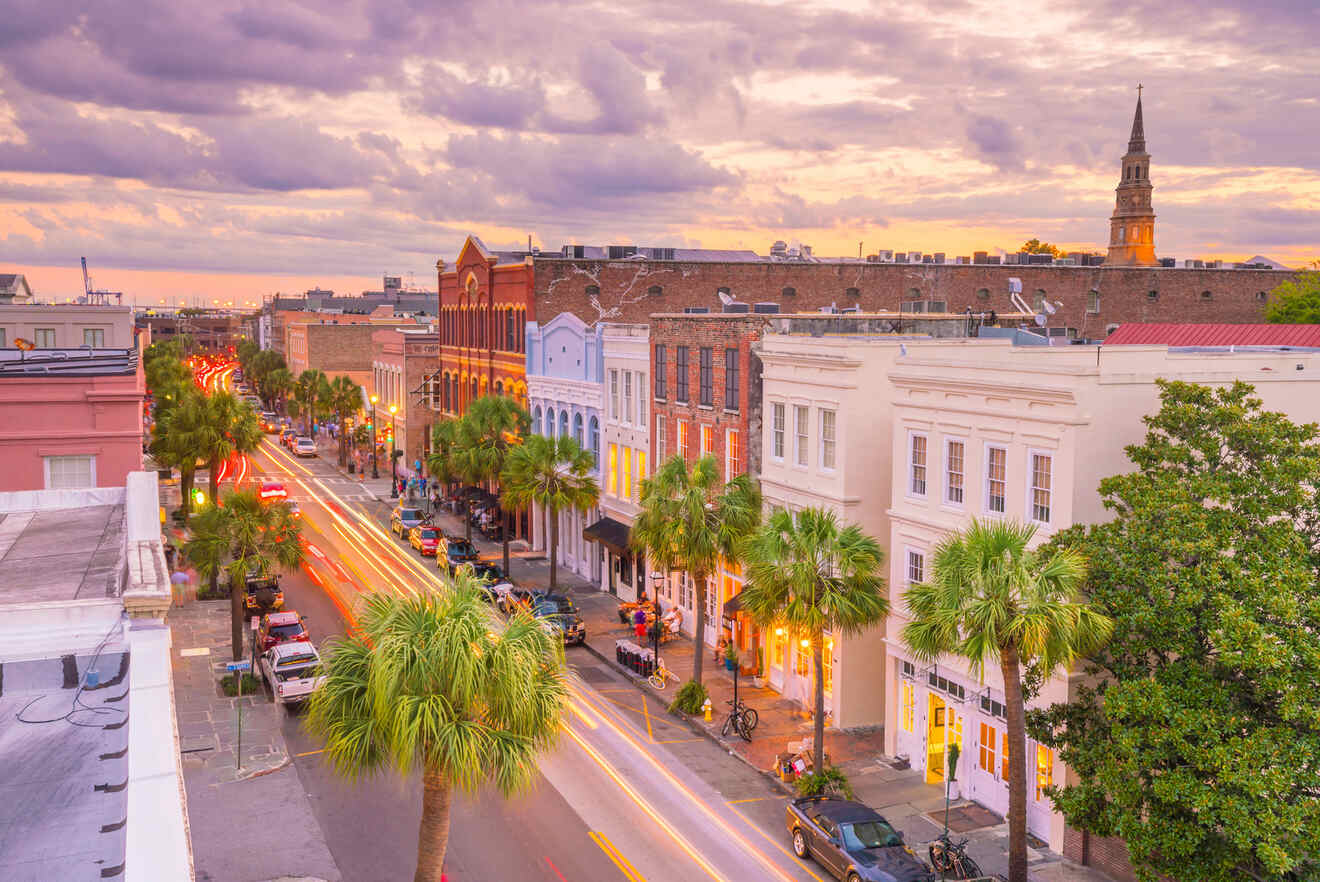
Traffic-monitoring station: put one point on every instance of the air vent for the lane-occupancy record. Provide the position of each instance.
(736, 307)
(696, 310)
(765, 308)
(619, 252)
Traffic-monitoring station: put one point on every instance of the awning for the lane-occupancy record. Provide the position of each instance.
(733, 606)
(610, 533)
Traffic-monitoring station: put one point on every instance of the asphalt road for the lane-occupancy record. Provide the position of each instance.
(612, 801)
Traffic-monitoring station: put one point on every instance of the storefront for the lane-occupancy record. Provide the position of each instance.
(619, 570)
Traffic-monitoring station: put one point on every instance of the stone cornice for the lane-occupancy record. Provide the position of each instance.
(979, 381)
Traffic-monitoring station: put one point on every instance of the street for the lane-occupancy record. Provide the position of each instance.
(610, 803)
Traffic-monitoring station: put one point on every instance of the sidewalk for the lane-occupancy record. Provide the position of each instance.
(250, 824)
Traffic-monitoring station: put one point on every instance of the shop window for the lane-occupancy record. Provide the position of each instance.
(802, 658)
(827, 664)
(988, 751)
(907, 706)
(612, 471)
(1044, 770)
(626, 485)
(638, 474)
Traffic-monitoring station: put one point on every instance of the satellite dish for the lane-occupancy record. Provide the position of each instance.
(1049, 308)
(1040, 320)
(725, 297)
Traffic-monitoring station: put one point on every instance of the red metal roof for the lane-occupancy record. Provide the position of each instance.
(1176, 334)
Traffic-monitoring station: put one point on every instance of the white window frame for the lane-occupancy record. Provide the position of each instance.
(94, 333)
(614, 394)
(627, 411)
(948, 485)
(730, 463)
(910, 467)
(46, 463)
(642, 391)
(833, 441)
(707, 431)
(801, 440)
(659, 438)
(905, 573)
(778, 426)
(1030, 506)
(985, 480)
(44, 338)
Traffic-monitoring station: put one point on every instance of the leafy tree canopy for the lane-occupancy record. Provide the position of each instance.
(1199, 741)
(1035, 246)
(1296, 301)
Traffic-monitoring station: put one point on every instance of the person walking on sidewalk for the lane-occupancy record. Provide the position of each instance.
(639, 623)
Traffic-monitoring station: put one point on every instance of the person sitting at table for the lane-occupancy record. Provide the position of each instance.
(673, 620)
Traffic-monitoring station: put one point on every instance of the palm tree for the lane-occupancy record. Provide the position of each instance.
(309, 391)
(809, 574)
(442, 462)
(244, 535)
(992, 600)
(554, 473)
(345, 399)
(276, 387)
(690, 521)
(176, 436)
(429, 681)
(230, 427)
(492, 426)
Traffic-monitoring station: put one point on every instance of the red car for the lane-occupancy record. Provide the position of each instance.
(281, 627)
(271, 491)
(425, 539)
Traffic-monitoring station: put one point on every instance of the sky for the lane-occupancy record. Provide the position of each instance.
(223, 150)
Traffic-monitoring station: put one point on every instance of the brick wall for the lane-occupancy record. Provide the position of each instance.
(1107, 854)
(337, 349)
(624, 291)
(718, 332)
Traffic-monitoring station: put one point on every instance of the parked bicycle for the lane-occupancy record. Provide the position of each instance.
(950, 859)
(661, 675)
(742, 719)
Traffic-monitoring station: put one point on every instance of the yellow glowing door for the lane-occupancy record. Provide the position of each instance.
(935, 739)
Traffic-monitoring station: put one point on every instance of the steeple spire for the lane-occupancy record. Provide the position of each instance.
(1137, 141)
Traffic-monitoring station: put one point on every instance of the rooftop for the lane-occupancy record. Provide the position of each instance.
(60, 554)
(81, 362)
(1187, 334)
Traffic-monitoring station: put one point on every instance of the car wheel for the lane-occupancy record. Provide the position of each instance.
(853, 877)
(800, 844)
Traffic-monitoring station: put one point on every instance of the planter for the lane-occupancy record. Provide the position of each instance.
(730, 665)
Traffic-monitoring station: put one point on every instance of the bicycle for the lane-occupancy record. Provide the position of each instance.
(949, 857)
(742, 719)
(661, 675)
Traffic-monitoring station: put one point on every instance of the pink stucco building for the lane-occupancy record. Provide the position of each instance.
(69, 418)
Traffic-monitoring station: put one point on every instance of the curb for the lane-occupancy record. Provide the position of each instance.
(692, 724)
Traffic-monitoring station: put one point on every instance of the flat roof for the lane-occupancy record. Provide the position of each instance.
(60, 554)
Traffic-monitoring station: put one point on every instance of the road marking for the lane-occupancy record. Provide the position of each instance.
(613, 854)
(752, 799)
(773, 842)
(310, 752)
(646, 713)
(558, 874)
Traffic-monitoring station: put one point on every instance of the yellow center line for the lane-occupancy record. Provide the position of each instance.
(615, 855)
(775, 843)
(310, 752)
(646, 713)
(753, 799)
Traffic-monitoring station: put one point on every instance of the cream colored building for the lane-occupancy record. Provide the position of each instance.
(66, 325)
(987, 430)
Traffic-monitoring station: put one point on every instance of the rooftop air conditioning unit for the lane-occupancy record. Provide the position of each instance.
(765, 307)
(736, 307)
(696, 310)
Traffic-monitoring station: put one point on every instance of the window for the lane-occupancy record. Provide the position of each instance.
(614, 394)
(655, 291)
(1093, 302)
(638, 475)
(44, 338)
(1040, 487)
(1044, 770)
(659, 370)
(802, 658)
(993, 708)
(1261, 297)
(800, 437)
(550, 422)
(510, 337)
(989, 742)
(94, 337)
(70, 472)
(627, 397)
(917, 465)
(707, 394)
(641, 400)
(577, 430)
(595, 442)
(707, 440)
(612, 472)
(777, 431)
(626, 485)
(853, 293)
(907, 706)
(983, 294)
(2, 338)
(732, 454)
(916, 568)
(788, 292)
(1206, 295)
(996, 463)
(563, 423)
(827, 439)
(659, 437)
(685, 591)
(954, 455)
(827, 664)
(681, 376)
(731, 379)
(1152, 296)
(684, 439)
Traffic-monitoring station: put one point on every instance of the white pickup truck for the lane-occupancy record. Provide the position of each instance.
(292, 670)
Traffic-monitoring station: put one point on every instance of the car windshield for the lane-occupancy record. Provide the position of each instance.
(547, 608)
(301, 672)
(429, 533)
(410, 514)
(561, 604)
(284, 632)
(870, 834)
(462, 546)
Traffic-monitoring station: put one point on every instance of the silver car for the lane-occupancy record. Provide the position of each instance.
(304, 446)
(292, 670)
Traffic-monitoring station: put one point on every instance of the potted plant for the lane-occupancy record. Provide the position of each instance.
(731, 658)
(758, 676)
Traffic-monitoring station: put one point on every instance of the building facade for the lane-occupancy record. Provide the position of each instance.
(14, 288)
(626, 443)
(66, 326)
(563, 381)
(403, 363)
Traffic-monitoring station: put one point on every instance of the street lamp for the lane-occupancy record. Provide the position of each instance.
(394, 460)
(374, 472)
(657, 579)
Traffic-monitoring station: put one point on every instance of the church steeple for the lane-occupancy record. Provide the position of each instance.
(1132, 225)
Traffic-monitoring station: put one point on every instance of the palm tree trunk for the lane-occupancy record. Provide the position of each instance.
(505, 513)
(553, 517)
(1017, 765)
(699, 638)
(818, 734)
(433, 835)
(236, 613)
(214, 480)
(467, 518)
(186, 487)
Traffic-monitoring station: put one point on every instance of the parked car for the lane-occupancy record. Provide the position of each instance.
(292, 670)
(559, 612)
(270, 422)
(456, 551)
(852, 841)
(272, 491)
(493, 580)
(404, 518)
(425, 539)
(280, 627)
(520, 596)
(304, 446)
(287, 436)
(258, 583)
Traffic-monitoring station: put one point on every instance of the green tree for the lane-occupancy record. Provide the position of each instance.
(310, 393)
(992, 601)
(492, 426)
(168, 377)
(442, 463)
(810, 575)
(1198, 742)
(258, 373)
(1035, 246)
(430, 682)
(176, 435)
(1296, 301)
(344, 400)
(554, 473)
(243, 535)
(228, 427)
(689, 521)
(277, 386)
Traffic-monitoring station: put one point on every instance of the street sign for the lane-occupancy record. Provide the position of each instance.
(239, 666)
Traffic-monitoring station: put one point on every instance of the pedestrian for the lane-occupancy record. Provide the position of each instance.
(639, 623)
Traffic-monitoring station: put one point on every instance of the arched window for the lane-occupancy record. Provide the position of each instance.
(852, 294)
(655, 291)
(536, 422)
(593, 290)
(444, 390)
(577, 430)
(1122, 233)
(549, 422)
(983, 294)
(563, 423)
(788, 291)
(474, 389)
(499, 388)
(1206, 295)
(595, 441)
(510, 336)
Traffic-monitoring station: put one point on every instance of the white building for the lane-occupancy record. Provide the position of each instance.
(65, 325)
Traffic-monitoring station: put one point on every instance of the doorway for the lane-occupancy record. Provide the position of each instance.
(935, 732)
